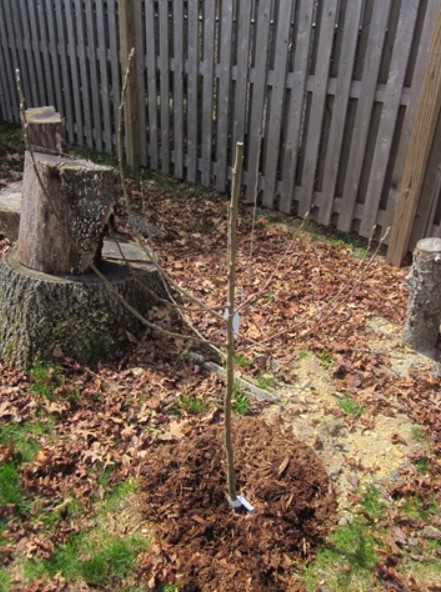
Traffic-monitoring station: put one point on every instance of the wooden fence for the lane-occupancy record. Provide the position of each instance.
(322, 92)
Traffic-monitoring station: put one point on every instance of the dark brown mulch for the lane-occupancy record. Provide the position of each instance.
(208, 547)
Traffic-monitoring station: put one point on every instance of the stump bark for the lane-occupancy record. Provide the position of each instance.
(62, 235)
(421, 329)
(42, 315)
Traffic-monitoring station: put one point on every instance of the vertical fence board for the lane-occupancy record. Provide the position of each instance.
(276, 104)
(14, 25)
(223, 97)
(151, 82)
(295, 111)
(326, 36)
(207, 90)
(6, 71)
(42, 23)
(178, 87)
(242, 76)
(113, 53)
(35, 47)
(164, 61)
(257, 106)
(76, 84)
(82, 62)
(417, 80)
(90, 36)
(391, 103)
(192, 90)
(377, 32)
(55, 60)
(140, 84)
(104, 86)
(22, 15)
(341, 99)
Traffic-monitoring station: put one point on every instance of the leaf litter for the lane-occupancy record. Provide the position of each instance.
(107, 423)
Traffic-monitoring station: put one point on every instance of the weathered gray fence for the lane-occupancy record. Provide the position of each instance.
(322, 92)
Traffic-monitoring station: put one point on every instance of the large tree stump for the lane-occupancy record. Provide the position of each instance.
(42, 315)
(421, 329)
(62, 235)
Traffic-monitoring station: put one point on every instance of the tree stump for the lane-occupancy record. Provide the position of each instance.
(62, 235)
(45, 129)
(422, 323)
(50, 305)
(44, 316)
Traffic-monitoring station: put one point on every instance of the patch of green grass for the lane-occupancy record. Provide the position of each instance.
(242, 362)
(45, 377)
(97, 561)
(303, 354)
(326, 360)
(418, 509)
(418, 434)
(5, 580)
(10, 487)
(346, 563)
(372, 502)
(193, 405)
(265, 381)
(349, 406)
(423, 465)
(240, 401)
(50, 519)
(24, 438)
(118, 494)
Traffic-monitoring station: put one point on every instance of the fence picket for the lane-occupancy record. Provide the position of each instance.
(326, 36)
(151, 82)
(391, 103)
(104, 86)
(365, 104)
(90, 37)
(178, 87)
(257, 106)
(192, 90)
(277, 93)
(35, 50)
(164, 85)
(85, 85)
(55, 62)
(341, 99)
(295, 109)
(207, 90)
(223, 97)
(73, 62)
(48, 76)
(6, 69)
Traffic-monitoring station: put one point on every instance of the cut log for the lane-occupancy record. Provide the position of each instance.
(421, 329)
(62, 235)
(42, 316)
(45, 129)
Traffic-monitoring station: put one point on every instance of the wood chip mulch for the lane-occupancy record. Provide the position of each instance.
(202, 543)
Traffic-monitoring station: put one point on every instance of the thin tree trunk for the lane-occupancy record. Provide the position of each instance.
(232, 254)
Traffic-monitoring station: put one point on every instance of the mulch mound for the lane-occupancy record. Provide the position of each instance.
(202, 543)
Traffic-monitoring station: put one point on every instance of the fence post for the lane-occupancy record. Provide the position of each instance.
(418, 153)
(127, 42)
